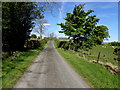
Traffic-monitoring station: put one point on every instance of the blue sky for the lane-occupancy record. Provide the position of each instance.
(107, 12)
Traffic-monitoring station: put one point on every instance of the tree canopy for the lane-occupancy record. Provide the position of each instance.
(82, 27)
(17, 23)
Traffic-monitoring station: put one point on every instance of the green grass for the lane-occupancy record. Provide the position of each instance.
(108, 51)
(14, 66)
(96, 75)
(106, 54)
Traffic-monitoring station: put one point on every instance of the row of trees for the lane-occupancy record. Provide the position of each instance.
(114, 44)
(82, 28)
(17, 22)
(51, 35)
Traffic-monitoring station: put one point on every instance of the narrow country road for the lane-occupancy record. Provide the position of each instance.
(50, 70)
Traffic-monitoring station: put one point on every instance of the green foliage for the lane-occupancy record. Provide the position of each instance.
(38, 38)
(62, 44)
(99, 34)
(67, 45)
(32, 44)
(17, 23)
(96, 75)
(106, 54)
(81, 26)
(57, 42)
(117, 52)
(14, 66)
(114, 44)
(33, 36)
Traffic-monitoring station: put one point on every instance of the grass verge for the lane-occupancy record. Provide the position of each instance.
(14, 66)
(96, 75)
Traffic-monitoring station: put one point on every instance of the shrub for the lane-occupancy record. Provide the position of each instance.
(38, 38)
(32, 44)
(117, 52)
(57, 42)
(33, 36)
(114, 44)
(61, 44)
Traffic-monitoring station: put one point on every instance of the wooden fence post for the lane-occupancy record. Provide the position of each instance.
(98, 57)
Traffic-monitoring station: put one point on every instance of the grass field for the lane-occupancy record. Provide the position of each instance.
(106, 54)
(96, 75)
(108, 51)
(14, 66)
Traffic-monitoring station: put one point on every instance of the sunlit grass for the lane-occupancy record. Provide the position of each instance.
(106, 54)
(14, 66)
(96, 75)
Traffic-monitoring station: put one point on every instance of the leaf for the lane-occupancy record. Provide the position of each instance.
(61, 31)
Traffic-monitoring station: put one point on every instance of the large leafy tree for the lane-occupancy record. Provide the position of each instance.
(100, 33)
(17, 23)
(82, 27)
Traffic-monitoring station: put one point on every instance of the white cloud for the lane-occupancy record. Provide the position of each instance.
(61, 11)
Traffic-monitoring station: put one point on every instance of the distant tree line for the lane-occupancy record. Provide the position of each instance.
(114, 44)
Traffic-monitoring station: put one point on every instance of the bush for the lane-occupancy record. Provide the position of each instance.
(32, 44)
(67, 45)
(114, 44)
(117, 52)
(4, 56)
(61, 44)
(33, 36)
(57, 42)
(38, 38)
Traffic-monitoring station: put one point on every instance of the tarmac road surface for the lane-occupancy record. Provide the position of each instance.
(50, 70)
